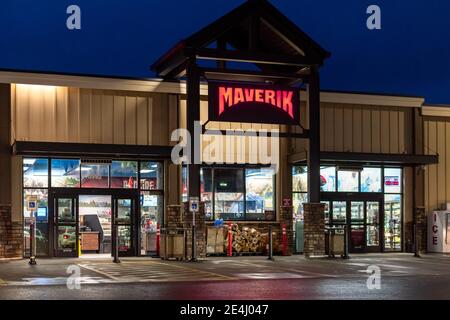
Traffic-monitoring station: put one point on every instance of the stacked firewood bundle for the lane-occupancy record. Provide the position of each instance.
(246, 240)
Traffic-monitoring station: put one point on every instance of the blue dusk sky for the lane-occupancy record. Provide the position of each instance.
(410, 55)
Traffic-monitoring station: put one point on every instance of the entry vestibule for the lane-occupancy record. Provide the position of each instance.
(74, 218)
(367, 200)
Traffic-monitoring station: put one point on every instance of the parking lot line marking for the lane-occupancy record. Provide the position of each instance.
(199, 271)
(99, 272)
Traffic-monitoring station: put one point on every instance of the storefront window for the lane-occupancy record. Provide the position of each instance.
(124, 174)
(35, 173)
(206, 191)
(41, 215)
(94, 175)
(151, 175)
(65, 173)
(298, 200)
(348, 181)
(229, 194)
(259, 187)
(371, 180)
(328, 179)
(339, 212)
(392, 180)
(392, 222)
(299, 178)
(151, 219)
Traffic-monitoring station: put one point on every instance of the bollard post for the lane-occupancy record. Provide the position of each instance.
(230, 241)
(158, 240)
(270, 244)
(32, 241)
(116, 244)
(284, 240)
(330, 243)
(345, 256)
(416, 243)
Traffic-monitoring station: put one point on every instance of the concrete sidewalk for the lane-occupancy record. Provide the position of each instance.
(133, 270)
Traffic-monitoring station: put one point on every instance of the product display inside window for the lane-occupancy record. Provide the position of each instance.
(151, 175)
(238, 193)
(372, 228)
(124, 237)
(299, 178)
(94, 175)
(339, 212)
(298, 199)
(348, 181)
(392, 222)
(95, 223)
(35, 173)
(65, 173)
(392, 180)
(151, 221)
(259, 194)
(124, 174)
(328, 179)
(371, 180)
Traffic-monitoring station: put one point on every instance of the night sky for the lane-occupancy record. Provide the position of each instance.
(410, 55)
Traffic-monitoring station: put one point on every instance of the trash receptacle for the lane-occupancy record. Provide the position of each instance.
(335, 241)
(172, 243)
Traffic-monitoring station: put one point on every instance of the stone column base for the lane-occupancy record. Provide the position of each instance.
(200, 231)
(11, 236)
(314, 229)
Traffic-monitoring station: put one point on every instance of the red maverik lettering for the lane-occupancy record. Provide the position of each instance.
(231, 96)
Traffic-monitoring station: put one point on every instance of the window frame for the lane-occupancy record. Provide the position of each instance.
(80, 189)
(242, 168)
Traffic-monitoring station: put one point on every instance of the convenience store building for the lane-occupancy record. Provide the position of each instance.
(95, 152)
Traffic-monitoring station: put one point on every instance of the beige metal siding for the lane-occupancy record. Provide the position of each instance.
(437, 176)
(230, 149)
(362, 128)
(62, 114)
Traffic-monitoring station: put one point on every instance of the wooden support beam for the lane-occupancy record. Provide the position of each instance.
(256, 75)
(193, 115)
(251, 57)
(313, 89)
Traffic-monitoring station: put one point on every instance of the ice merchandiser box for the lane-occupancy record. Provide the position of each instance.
(439, 232)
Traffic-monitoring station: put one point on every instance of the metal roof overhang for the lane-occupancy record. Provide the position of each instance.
(90, 150)
(358, 159)
(378, 158)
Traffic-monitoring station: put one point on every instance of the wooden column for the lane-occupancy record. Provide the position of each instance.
(5, 144)
(314, 139)
(193, 115)
(11, 240)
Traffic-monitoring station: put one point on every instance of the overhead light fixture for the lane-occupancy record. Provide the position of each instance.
(350, 168)
(147, 170)
(29, 161)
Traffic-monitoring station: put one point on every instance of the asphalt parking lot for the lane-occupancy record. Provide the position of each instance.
(369, 276)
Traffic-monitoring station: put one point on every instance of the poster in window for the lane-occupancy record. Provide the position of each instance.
(391, 181)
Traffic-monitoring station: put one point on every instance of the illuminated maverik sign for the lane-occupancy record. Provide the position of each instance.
(237, 102)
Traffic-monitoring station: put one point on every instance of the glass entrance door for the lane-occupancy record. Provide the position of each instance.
(361, 215)
(66, 226)
(124, 209)
(373, 232)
